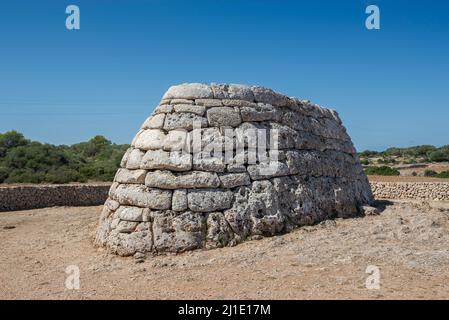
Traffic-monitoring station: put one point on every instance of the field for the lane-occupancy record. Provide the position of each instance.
(408, 242)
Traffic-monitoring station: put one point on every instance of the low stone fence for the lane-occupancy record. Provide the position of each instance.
(411, 190)
(42, 196)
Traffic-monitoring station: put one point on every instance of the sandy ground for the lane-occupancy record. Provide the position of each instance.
(408, 242)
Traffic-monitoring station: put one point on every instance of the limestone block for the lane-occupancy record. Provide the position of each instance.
(223, 117)
(209, 200)
(159, 159)
(130, 176)
(142, 196)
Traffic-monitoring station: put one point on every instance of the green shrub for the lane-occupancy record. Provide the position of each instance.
(430, 173)
(23, 161)
(443, 174)
(382, 171)
(4, 173)
(364, 162)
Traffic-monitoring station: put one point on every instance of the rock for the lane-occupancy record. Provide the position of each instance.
(209, 102)
(154, 122)
(181, 108)
(127, 213)
(185, 121)
(219, 233)
(151, 139)
(164, 109)
(268, 170)
(233, 180)
(369, 211)
(191, 180)
(181, 101)
(142, 196)
(112, 204)
(130, 176)
(261, 112)
(159, 159)
(174, 232)
(134, 159)
(177, 140)
(265, 95)
(223, 117)
(189, 91)
(179, 200)
(209, 200)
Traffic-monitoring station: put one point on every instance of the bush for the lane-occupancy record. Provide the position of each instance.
(364, 162)
(430, 173)
(439, 156)
(443, 174)
(382, 171)
(4, 173)
(23, 161)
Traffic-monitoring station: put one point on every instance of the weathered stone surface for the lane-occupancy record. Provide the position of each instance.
(209, 102)
(219, 232)
(209, 200)
(127, 244)
(128, 213)
(134, 159)
(268, 170)
(179, 200)
(184, 121)
(151, 139)
(159, 159)
(189, 180)
(130, 176)
(142, 196)
(181, 101)
(223, 116)
(207, 162)
(189, 91)
(265, 95)
(154, 121)
(177, 140)
(174, 232)
(218, 164)
(112, 204)
(261, 112)
(232, 180)
(166, 108)
(181, 108)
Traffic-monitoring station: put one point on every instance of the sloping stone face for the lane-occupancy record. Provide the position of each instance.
(217, 164)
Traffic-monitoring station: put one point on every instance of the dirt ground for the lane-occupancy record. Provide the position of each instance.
(408, 242)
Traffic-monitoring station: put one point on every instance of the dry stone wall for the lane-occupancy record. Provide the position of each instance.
(176, 192)
(435, 191)
(42, 196)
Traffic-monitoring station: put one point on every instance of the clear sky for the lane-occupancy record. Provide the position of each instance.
(390, 86)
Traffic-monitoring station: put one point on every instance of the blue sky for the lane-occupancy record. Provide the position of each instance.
(390, 86)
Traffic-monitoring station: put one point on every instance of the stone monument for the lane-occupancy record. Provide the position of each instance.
(217, 164)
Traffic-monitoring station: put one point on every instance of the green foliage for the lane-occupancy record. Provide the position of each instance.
(439, 155)
(443, 174)
(381, 171)
(422, 153)
(430, 173)
(364, 162)
(23, 161)
(9, 140)
(369, 153)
